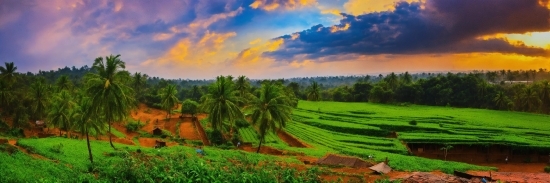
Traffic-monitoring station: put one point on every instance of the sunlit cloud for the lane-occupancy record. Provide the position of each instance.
(270, 5)
(359, 7)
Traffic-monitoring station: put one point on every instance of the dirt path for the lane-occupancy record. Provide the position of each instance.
(263, 149)
(290, 140)
(188, 130)
(13, 143)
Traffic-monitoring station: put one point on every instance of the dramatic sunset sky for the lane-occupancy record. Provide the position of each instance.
(199, 39)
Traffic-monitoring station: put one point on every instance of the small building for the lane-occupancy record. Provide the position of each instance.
(381, 168)
(40, 124)
(336, 160)
(159, 144)
(157, 131)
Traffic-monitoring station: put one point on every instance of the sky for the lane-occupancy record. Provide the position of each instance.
(201, 39)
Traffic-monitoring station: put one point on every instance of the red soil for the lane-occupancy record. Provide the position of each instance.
(518, 167)
(290, 140)
(263, 149)
(188, 130)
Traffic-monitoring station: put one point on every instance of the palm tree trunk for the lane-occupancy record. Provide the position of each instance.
(89, 148)
(110, 136)
(258, 151)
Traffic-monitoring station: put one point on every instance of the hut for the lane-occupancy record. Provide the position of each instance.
(159, 144)
(157, 131)
(336, 160)
(381, 168)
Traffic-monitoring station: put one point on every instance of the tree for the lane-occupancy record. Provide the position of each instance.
(189, 106)
(221, 103)
(407, 78)
(109, 95)
(8, 73)
(501, 100)
(6, 95)
(63, 83)
(271, 111)
(313, 93)
(544, 93)
(60, 111)
(531, 99)
(242, 85)
(392, 80)
(169, 99)
(446, 149)
(138, 82)
(196, 93)
(39, 98)
(83, 117)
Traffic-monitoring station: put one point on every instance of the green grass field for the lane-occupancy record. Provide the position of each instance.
(362, 129)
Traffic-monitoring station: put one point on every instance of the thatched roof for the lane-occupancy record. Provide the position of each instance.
(39, 123)
(381, 168)
(333, 159)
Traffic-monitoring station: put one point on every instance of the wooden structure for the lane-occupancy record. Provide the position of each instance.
(159, 144)
(337, 160)
(381, 168)
(157, 131)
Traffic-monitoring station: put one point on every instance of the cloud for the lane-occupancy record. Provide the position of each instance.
(359, 7)
(270, 5)
(438, 26)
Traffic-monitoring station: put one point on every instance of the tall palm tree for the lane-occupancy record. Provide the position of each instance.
(392, 80)
(314, 92)
(108, 93)
(545, 96)
(221, 104)
(531, 99)
(196, 93)
(242, 85)
(83, 117)
(6, 95)
(60, 111)
(63, 83)
(501, 100)
(8, 73)
(138, 82)
(39, 96)
(169, 99)
(271, 111)
(407, 78)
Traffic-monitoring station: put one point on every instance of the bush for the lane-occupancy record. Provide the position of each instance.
(57, 148)
(166, 133)
(215, 137)
(242, 123)
(413, 122)
(134, 126)
(547, 169)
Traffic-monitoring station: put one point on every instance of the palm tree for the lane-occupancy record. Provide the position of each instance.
(83, 117)
(108, 93)
(8, 73)
(545, 95)
(60, 111)
(242, 85)
(407, 78)
(501, 100)
(196, 93)
(138, 82)
(63, 83)
(314, 92)
(39, 95)
(392, 80)
(271, 111)
(6, 95)
(168, 98)
(531, 99)
(221, 103)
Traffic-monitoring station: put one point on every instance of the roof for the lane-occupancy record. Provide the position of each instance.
(39, 122)
(333, 159)
(381, 168)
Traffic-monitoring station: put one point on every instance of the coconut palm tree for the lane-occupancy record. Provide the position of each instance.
(407, 78)
(221, 103)
(6, 95)
(60, 111)
(138, 82)
(314, 92)
(530, 98)
(108, 93)
(63, 83)
(85, 120)
(545, 96)
(501, 100)
(271, 111)
(8, 73)
(169, 99)
(39, 96)
(242, 85)
(392, 80)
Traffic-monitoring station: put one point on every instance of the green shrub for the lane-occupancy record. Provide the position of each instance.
(242, 123)
(134, 126)
(57, 148)
(166, 133)
(547, 169)
(413, 122)
(215, 137)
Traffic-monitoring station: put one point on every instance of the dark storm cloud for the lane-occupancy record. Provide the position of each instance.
(443, 26)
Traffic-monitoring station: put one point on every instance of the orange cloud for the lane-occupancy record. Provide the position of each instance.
(254, 54)
(358, 7)
(335, 28)
(331, 11)
(206, 51)
(270, 5)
